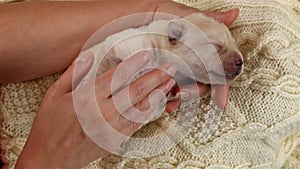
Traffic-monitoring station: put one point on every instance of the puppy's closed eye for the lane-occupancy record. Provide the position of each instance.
(218, 47)
(175, 32)
(173, 41)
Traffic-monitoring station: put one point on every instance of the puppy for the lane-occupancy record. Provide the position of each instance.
(202, 48)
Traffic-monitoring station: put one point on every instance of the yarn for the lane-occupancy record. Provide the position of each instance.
(260, 127)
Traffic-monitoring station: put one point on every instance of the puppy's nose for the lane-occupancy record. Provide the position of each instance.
(234, 65)
(238, 67)
(239, 63)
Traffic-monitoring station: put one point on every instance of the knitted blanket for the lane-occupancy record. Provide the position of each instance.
(259, 129)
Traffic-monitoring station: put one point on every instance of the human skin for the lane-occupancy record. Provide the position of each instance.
(45, 47)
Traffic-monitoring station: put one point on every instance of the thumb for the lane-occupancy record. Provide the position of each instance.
(226, 18)
(74, 74)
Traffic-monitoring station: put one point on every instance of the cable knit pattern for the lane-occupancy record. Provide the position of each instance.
(19, 103)
(259, 129)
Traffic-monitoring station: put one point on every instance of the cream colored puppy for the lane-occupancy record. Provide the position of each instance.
(202, 48)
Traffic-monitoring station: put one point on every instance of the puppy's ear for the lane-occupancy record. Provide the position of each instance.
(175, 31)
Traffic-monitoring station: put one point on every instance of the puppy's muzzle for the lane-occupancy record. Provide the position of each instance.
(233, 66)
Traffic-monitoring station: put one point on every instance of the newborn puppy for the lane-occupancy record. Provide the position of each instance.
(202, 48)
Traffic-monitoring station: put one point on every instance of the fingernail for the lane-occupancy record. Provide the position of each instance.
(170, 68)
(84, 57)
(182, 95)
(170, 83)
(174, 109)
(147, 56)
(232, 12)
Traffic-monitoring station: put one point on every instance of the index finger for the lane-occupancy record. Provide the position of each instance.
(226, 18)
(119, 75)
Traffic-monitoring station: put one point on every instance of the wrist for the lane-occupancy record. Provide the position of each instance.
(26, 162)
(33, 156)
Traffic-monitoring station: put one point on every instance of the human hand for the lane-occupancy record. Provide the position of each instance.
(57, 139)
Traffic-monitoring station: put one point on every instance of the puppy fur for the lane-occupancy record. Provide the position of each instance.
(202, 48)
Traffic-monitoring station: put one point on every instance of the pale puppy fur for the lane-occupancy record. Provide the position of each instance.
(200, 47)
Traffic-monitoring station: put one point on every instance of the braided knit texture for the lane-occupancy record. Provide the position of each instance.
(260, 127)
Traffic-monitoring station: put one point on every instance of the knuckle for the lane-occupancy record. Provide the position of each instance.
(162, 75)
(134, 126)
(143, 106)
(107, 115)
(138, 92)
(119, 75)
(130, 129)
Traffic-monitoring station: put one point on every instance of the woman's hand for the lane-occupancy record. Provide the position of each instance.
(57, 140)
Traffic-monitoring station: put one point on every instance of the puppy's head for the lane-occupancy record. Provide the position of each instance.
(205, 49)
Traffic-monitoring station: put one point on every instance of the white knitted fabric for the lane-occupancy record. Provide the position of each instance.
(260, 127)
